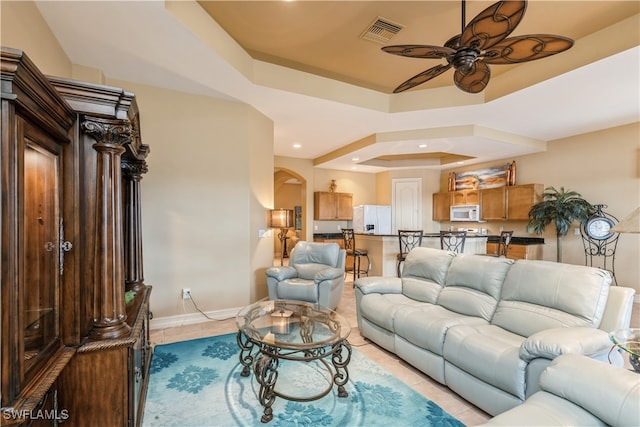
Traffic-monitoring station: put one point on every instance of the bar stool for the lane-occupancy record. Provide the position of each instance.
(503, 243)
(453, 240)
(408, 239)
(350, 246)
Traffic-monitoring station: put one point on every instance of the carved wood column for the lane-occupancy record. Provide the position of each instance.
(109, 315)
(134, 271)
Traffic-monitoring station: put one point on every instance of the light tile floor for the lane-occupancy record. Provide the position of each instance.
(440, 394)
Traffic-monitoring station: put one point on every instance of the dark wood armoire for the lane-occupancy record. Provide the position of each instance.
(74, 306)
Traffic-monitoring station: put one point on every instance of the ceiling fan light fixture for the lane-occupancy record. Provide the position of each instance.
(464, 58)
(482, 41)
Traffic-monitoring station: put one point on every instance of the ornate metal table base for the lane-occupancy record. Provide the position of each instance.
(265, 360)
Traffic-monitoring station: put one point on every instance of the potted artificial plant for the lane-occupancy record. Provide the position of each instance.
(561, 208)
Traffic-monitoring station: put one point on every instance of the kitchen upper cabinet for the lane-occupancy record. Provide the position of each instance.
(493, 204)
(329, 206)
(520, 200)
(441, 206)
(511, 203)
(465, 197)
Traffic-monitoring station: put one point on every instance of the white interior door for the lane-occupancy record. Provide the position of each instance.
(406, 196)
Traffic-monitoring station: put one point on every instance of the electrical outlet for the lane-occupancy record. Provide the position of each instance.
(186, 293)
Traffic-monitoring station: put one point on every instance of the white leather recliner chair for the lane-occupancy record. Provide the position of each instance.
(315, 274)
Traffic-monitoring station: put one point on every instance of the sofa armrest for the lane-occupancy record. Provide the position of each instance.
(379, 285)
(281, 273)
(609, 392)
(617, 312)
(551, 343)
(328, 274)
(577, 391)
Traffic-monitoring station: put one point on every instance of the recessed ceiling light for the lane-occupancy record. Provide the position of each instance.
(297, 145)
(355, 159)
(460, 163)
(422, 146)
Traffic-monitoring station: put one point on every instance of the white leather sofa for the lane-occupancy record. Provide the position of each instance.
(579, 391)
(487, 327)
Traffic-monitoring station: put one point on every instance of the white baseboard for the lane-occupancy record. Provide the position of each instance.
(192, 318)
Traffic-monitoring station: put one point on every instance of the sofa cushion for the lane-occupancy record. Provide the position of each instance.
(488, 353)
(309, 271)
(427, 326)
(539, 295)
(381, 309)
(473, 285)
(297, 289)
(305, 254)
(424, 273)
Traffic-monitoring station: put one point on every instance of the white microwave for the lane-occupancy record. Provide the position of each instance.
(469, 213)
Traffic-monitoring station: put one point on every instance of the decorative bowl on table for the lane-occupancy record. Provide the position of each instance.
(629, 341)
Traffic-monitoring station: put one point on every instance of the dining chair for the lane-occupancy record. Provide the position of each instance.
(408, 239)
(453, 240)
(349, 238)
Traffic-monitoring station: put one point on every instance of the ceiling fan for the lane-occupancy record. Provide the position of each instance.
(483, 41)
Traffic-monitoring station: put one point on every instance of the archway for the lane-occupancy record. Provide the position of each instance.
(290, 192)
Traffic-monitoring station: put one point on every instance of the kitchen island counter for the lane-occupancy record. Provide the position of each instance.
(383, 249)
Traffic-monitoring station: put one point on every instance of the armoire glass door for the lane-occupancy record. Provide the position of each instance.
(42, 249)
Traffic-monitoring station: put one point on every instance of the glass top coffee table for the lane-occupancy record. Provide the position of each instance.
(629, 341)
(271, 331)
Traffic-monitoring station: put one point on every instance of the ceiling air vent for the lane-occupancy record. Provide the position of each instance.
(381, 30)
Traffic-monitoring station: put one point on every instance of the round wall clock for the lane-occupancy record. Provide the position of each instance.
(599, 228)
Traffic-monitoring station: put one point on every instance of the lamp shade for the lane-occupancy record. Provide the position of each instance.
(629, 224)
(281, 218)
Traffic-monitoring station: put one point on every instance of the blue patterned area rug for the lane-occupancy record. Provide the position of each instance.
(198, 383)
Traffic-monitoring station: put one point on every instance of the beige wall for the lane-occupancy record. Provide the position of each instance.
(24, 28)
(207, 190)
(203, 201)
(259, 141)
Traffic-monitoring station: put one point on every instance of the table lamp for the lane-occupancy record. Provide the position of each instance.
(282, 219)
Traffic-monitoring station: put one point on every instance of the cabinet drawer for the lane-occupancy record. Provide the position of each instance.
(518, 251)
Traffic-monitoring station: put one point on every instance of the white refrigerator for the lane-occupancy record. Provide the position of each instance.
(372, 219)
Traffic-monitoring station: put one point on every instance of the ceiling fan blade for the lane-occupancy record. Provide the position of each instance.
(424, 76)
(474, 80)
(493, 24)
(419, 51)
(526, 48)
(453, 42)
